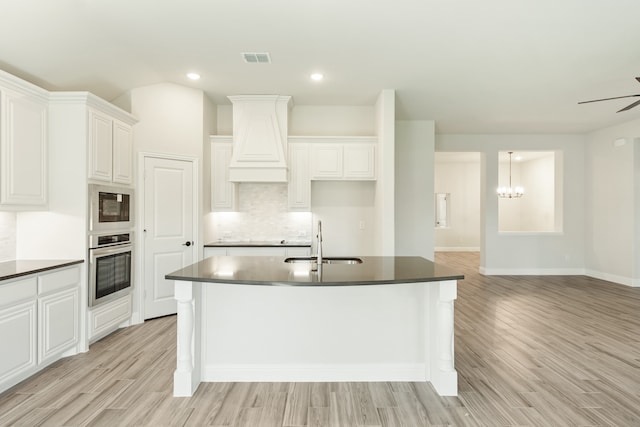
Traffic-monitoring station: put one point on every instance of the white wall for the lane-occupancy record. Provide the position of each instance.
(7, 236)
(612, 184)
(414, 188)
(461, 179)
(528, 253)
(385, 113)
(342, 206)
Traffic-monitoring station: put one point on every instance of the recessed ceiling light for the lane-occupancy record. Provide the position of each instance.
(193, 76)
(316, 77)
(518, 158)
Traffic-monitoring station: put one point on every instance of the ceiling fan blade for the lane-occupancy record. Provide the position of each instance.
(608, 99)
(630, 106)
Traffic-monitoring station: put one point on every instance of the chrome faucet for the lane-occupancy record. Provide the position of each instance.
(319, 247)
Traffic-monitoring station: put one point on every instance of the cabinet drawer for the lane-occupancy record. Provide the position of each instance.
(20, 290)
(58, 280)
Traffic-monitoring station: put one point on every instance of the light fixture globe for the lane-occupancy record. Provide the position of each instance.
(510, 192)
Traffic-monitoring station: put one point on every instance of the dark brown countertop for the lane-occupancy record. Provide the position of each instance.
(273, 271)
(258, 244)
(24, 267)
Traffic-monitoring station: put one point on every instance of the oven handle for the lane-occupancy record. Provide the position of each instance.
(110, 250)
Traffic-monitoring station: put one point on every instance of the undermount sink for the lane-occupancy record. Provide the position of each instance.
(325, 260)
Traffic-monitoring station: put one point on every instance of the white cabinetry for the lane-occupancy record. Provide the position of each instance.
(339, 158)
(110, 148)
(223, 192)
(104, 318)
(23, 144)
(58, 313)
(299, 196)
(17, 331)
(39, 322)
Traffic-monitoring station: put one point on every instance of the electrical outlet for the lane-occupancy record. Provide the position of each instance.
(362, 225)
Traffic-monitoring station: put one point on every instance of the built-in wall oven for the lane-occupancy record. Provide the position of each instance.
(110, 266)
(110, 208)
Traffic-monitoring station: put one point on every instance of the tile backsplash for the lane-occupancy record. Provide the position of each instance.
(7, 236)
(262, 215)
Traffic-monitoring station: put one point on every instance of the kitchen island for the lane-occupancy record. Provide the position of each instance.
(263, 319)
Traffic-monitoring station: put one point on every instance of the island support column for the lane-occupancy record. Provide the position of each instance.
(444, 376)
(186, 377)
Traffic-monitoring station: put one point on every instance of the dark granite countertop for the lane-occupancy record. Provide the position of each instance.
(24, 267)
(258, 244)
(273, 271)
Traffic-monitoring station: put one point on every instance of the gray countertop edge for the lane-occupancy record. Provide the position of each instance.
(314, 284)
(20, 267)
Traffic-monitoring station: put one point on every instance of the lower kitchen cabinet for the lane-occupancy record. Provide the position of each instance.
(18, 337)
(57, 324)
(39, 322)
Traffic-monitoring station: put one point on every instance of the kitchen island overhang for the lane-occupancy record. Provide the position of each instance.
(261, 319)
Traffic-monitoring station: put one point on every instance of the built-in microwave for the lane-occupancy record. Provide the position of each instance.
(110, 208)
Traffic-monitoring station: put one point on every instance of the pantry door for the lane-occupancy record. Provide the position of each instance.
(169, 229)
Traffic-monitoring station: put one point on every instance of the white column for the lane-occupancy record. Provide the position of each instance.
(443, 373)
(184, 380)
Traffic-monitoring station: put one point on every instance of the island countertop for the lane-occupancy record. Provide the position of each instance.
(274, 271)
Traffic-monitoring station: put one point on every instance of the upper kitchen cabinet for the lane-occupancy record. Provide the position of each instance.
(343, 158)
(223, 192)
(110, 148)
(23, 145)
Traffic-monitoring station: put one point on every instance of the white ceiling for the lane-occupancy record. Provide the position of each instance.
(491, 66)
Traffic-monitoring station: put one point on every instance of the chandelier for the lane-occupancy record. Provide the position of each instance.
(510, 192)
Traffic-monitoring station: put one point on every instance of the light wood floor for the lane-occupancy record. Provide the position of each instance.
(530, 350)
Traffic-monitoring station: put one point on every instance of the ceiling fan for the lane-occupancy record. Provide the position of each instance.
(628, 107)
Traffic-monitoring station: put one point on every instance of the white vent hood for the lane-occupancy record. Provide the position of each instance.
(260, 127)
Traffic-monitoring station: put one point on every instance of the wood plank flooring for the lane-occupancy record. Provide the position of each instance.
(530, 351)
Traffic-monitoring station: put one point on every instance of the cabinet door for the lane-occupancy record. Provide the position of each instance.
(299, 181)
(57, 324)
(359, 161)
(223, 192)
(100, 146)
(23, 150)
(122, 153)
(18, 338)
(326, 161)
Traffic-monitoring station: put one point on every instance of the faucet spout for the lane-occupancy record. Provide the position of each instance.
(319, 247)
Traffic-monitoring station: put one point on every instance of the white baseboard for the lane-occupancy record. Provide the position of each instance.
(457, 249)
(532, 271)
(627, 281)
(315, 373)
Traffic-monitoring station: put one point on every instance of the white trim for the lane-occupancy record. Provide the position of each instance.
(332, 139)
(622, 280)
(138, 291)
(531, 271)
(404, 372)
(457, 249)
(530, 233)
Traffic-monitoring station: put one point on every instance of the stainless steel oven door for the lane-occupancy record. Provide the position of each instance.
(110, 273)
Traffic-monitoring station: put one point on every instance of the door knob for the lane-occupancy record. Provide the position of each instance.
(187, 243)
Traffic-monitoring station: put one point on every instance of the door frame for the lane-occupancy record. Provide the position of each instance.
(138, 290)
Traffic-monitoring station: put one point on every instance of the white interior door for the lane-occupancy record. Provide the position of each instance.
(169, 230)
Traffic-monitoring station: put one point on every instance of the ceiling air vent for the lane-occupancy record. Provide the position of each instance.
(256, 57)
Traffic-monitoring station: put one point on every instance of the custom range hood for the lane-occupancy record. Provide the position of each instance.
(260, 127)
